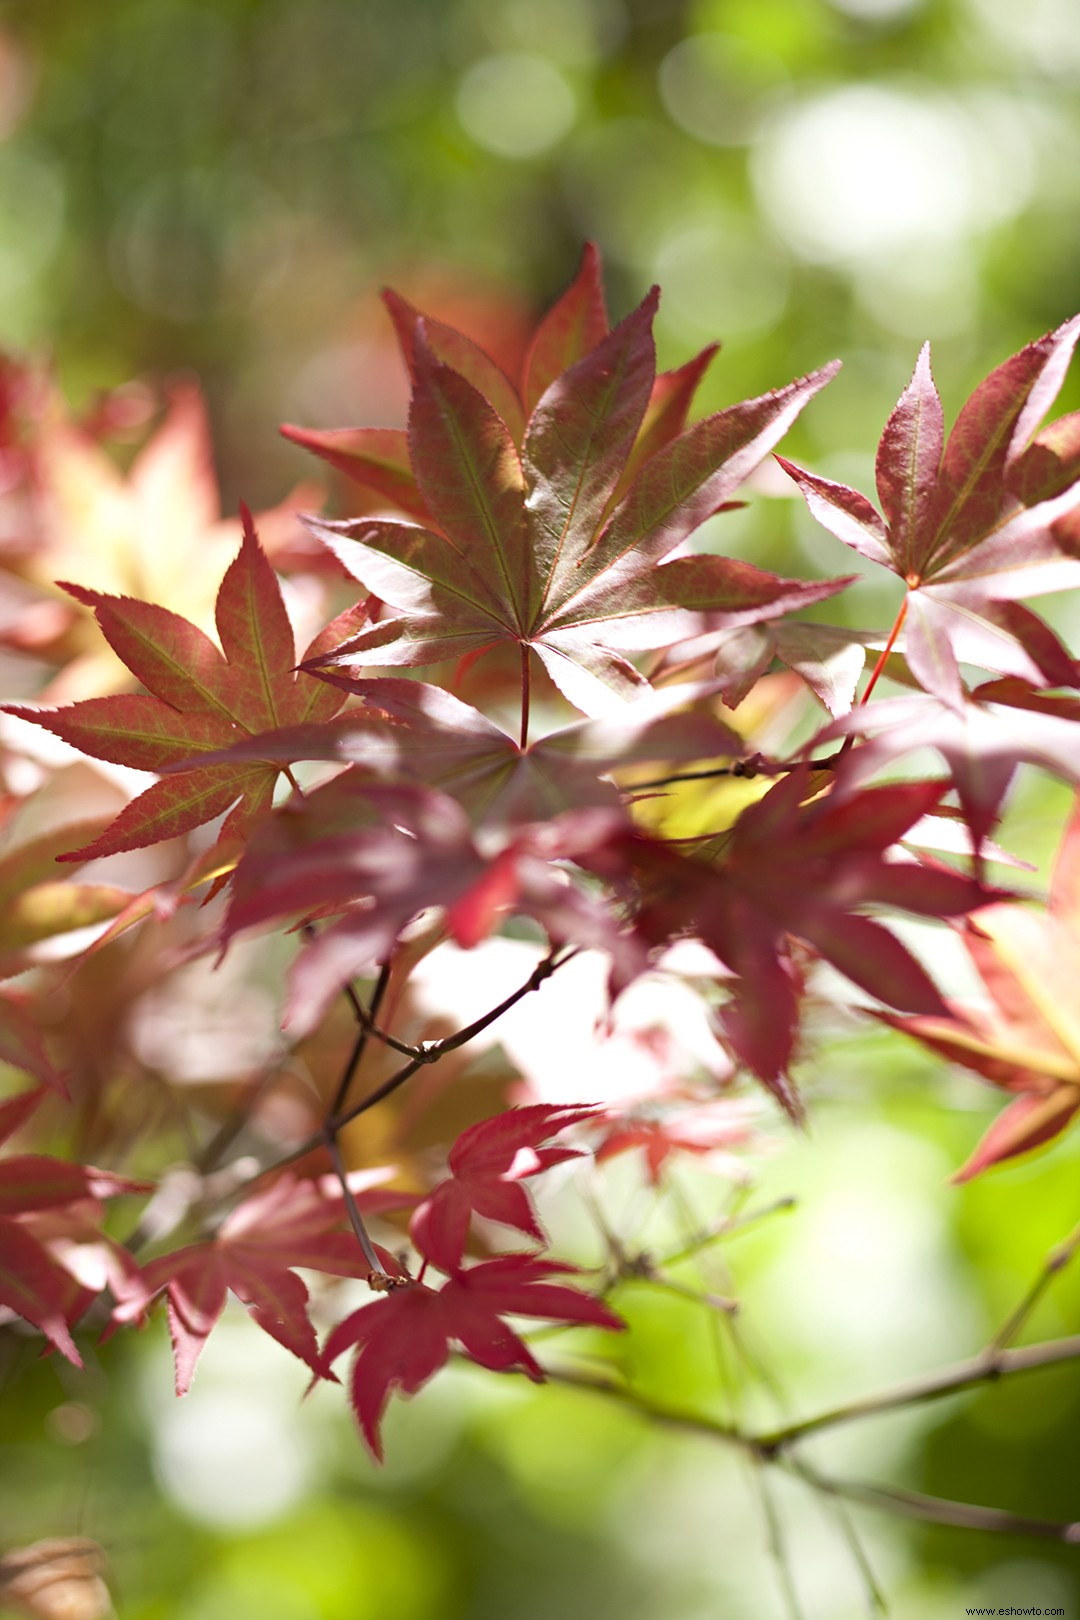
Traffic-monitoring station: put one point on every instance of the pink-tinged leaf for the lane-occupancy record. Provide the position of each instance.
(34, 1286)
(403, 1344)
(672, 725)
(346, 950)
(492, 1145)
(689, 479)
(30, 1181)
(844, 512)
(173, 806)
(928, 648)
(471, 478)
(409, 729)
(1050, 659)
(472, 918)
(256, 635)
(874, 959)
(404, 1338)
(195, 1303)
(1054, 356)
(1000, 636)
(15, 1111)
(1065, 879)
(595, 681)
(174, 660)
(516, 1285)
(1029, 1121)
(908, 464)
(452, 348)
(413, 570)
(377, 458)
(573, 327)
(1021, 557)
(684, 598)
(993, 427)
(440, 1227)
(129, 729)
(873, 820)
(579, 439)
(22, 1047)
(291, 1223)
(668, 408)
(829, 659)
(1050, 463)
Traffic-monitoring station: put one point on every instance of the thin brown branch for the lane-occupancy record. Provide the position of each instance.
(429, 1054)
(938, 1510)
(982, 1369)
(356, 1220)
(730, 1226)
(667, 1417)
(1056, 1261)
(748, 769)
(365, 1017)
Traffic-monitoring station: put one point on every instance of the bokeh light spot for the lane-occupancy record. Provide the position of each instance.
(516, 104)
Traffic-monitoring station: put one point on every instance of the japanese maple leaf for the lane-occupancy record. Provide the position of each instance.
(378, 458)
(36, 905)
(404, 1338)
(969, 523)
(488, 1163)
(705, 1129)
(794, 869)
(1027, 1041)
(982, 738)
(293, 1223)
(382, 857)
(131, 534)
(412, 731)
(540, 549)
(198, 699)
(34, 1281)
(21, 1042)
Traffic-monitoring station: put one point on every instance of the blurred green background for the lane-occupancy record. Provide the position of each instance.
(221, 189)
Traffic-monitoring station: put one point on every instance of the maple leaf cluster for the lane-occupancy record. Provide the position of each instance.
(532, 546)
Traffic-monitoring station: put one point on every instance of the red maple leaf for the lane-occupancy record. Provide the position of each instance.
(982, 737)
(702, 1129)
(1027, 1041)
(378, 458)
(381, 855)
(404, 1338)
(795, 869)
(199, 699)
(560, 547)
(488, 1163)
(409, 730)
(293, 1223)
(969, 524)
(35, 1190)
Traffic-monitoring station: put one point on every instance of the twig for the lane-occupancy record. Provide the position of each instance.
(774, 1530)
(728, 1227)
(365, 1017)
(432, 1051)
(981, 1369)
(666, 1416)
(748, 769)
(876, 1596)
(429, 1053)
(356, 1220)
(1056, 1261)
(937, 1510)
